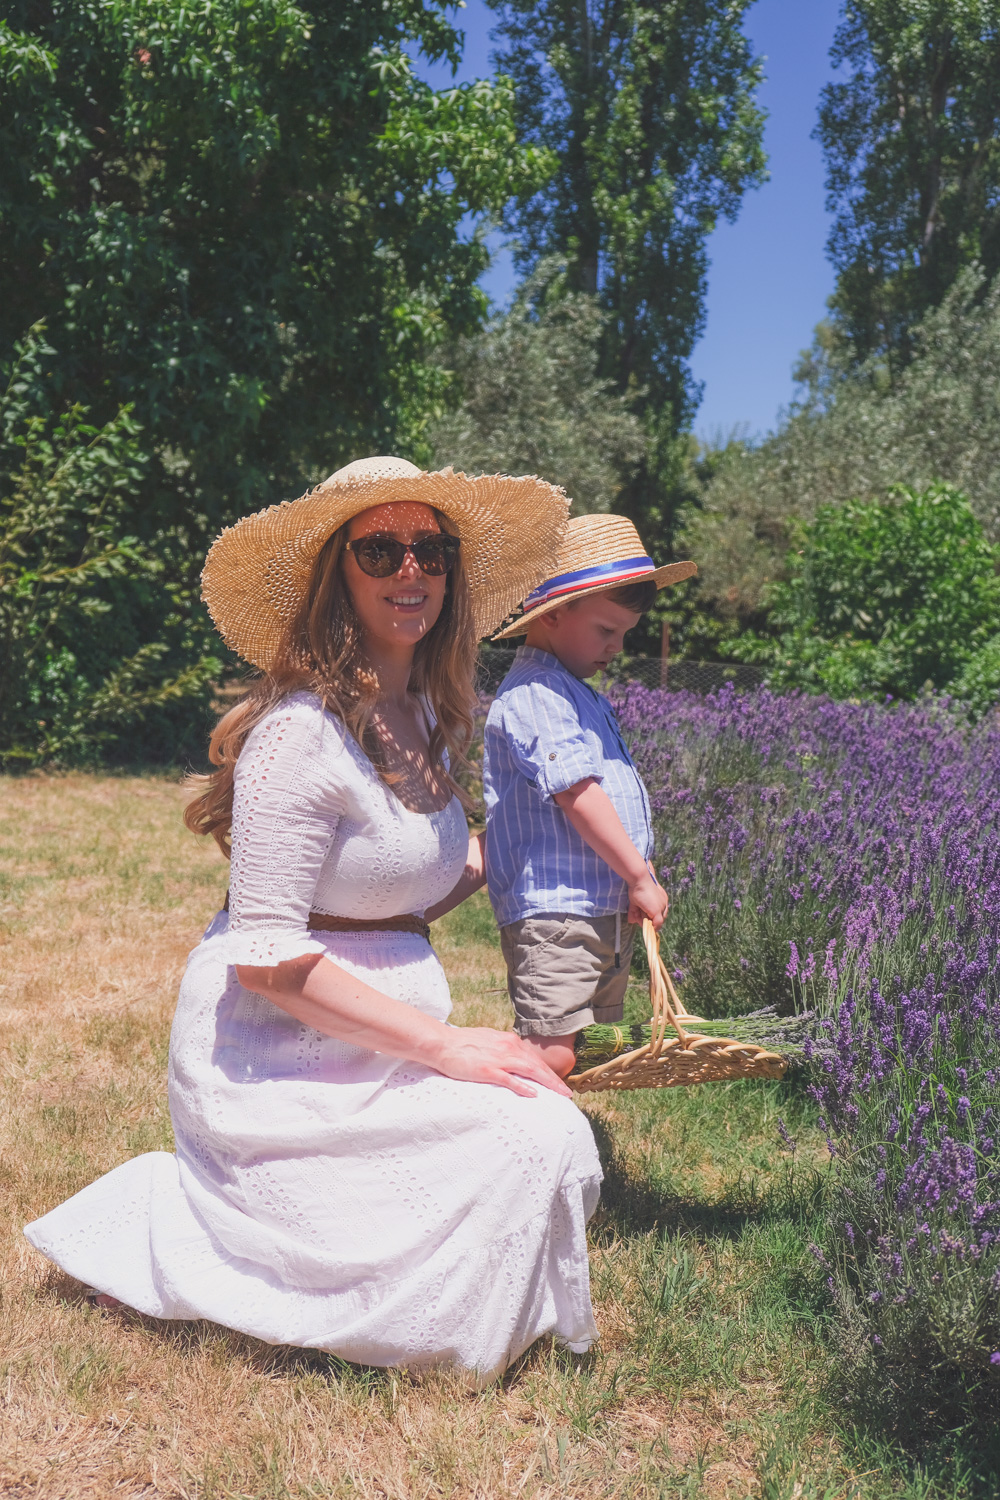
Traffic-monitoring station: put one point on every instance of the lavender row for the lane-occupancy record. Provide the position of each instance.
(847, 856)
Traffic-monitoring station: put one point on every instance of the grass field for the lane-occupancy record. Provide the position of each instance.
(710, 1378)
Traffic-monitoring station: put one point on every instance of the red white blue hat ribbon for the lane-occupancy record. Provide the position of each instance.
(566, 584)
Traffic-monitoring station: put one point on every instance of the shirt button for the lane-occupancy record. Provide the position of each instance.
(552, 756)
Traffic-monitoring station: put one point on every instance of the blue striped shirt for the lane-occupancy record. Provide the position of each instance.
(546, 731)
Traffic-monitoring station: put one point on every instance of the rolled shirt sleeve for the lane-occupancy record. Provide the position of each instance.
(288, 799)
(548, 744)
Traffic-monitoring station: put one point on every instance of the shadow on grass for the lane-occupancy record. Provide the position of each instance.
(634, 1205)
(936, 1430)
(195, 1338)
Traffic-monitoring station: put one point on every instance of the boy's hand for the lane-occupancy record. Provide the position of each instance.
(647, 899)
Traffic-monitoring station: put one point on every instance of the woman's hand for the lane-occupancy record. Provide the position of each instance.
(477, 1054)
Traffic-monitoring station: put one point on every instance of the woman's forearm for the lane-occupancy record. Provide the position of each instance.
(319, 993)
(472, 878)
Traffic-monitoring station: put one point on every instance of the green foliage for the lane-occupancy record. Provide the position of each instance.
(698, 629)
(102, 653)
(532, 400)
(977, 685)
(242, 220)
(649, 110)
(883, 597)
(854, 436)
(912, 144)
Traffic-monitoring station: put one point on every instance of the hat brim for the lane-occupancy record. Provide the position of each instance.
(257, 572)
(669, 573)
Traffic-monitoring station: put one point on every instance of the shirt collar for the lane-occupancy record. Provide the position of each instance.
(547, 659)
(544, 658)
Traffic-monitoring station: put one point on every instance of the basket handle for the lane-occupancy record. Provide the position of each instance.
(663, 998)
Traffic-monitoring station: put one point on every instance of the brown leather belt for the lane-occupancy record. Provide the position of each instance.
(321, 921)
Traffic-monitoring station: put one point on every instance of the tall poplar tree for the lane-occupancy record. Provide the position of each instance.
(912, 143)
(649, 107)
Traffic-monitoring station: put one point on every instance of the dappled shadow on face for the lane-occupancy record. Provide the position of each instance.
(403, 518)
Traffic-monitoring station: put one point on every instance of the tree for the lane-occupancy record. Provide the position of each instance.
(884, 597)
(912, 145)
(854, 437)
(648, 107)
(533, 402)
(241, 219)
(102, 655)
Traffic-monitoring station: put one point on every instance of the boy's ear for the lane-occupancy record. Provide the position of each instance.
(551, 616)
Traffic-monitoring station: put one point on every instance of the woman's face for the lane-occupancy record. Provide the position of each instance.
(398, 610)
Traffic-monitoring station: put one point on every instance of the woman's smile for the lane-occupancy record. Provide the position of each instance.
(409, 601)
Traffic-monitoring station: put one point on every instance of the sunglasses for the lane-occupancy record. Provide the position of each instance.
(380, 555)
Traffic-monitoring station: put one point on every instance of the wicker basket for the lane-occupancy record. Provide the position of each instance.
(667, 1062)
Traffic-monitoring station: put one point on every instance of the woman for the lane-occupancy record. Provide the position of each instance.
(351, 1173)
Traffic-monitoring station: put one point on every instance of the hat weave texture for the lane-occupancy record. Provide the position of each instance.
(257, 572)
(591, 542)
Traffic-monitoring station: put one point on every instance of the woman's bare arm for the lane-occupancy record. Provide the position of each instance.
(321, 994)
(472, 878)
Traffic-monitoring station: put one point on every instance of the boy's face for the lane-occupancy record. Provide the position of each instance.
(586, 635)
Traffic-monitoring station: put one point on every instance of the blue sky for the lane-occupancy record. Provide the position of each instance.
(769, 277)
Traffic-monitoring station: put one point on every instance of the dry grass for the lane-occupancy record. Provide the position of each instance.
(702, 1382)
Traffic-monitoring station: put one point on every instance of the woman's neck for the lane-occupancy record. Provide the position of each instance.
(393, 669)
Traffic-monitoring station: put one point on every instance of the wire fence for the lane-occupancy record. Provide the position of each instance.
(683, 675)
(673, 675)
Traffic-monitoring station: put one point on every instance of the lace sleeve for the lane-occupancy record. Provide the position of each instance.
(289, 795)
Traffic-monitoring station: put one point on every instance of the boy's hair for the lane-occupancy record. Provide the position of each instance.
(636, 597)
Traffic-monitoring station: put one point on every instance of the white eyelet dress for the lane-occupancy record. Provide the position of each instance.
(321, 1194)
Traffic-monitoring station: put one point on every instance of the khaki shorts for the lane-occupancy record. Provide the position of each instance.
(561, 972)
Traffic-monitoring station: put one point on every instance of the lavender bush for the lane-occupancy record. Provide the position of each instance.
(848, 855)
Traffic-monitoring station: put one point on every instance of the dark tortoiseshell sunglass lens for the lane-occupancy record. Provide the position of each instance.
(436, 554)
(381, 555)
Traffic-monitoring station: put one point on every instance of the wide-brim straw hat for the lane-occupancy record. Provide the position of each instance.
(598, 553)
(257, 572)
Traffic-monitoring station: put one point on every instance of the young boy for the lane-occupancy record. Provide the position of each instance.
(568, 832)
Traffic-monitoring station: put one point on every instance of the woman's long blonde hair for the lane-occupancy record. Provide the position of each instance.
(320, 652)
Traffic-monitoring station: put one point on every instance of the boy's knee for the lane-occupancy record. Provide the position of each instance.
(558, 1052)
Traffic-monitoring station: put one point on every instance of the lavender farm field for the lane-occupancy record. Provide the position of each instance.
(847, 857)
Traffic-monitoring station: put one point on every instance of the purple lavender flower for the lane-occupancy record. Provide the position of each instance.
(859, 845)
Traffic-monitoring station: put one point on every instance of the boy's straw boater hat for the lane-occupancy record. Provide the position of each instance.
(598, 553)
(258, 571)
